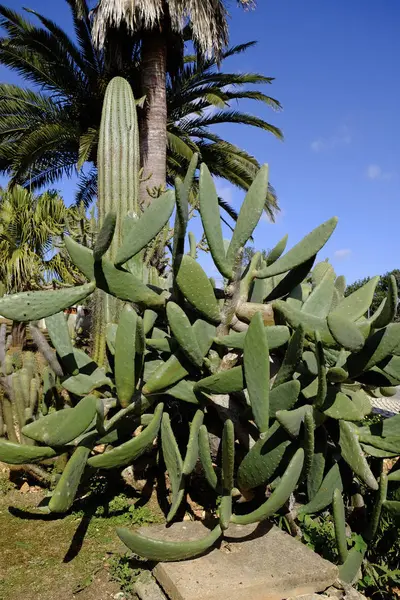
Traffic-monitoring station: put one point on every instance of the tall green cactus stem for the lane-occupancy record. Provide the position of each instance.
(2, 425)
(18, 398)
(118, 188)
(118, 158)
(228, 464)
(8, 417)
(381, 496)
(339, 521)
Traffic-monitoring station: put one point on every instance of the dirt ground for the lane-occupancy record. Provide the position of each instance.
(75, 557)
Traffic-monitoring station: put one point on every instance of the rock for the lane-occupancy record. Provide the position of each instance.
(146, 588)
(100, 448)
(258, 561)
(351, 594)
(334, 593)
(127, 475)
(309, 597)
(24, 489)
(4, 469)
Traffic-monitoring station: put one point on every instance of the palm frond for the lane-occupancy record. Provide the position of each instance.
(231, 116)
(63, 39)
(87, 188)
(228, 208)
(16, 99)
(39, 55)
(238, 49)
(81, 20)
(87, 142)
(208, 19)
(46, 140)
(181, 146)
(254, 95)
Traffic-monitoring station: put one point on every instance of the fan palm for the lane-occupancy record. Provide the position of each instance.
(44, 135)
(30, 232)
(153, 20)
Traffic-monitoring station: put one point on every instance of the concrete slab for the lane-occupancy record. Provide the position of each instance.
(146, 588)
(256, 562)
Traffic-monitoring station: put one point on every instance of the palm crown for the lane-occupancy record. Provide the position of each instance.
(208, 19)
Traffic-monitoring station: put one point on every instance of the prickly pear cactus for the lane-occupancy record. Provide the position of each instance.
(279, 362)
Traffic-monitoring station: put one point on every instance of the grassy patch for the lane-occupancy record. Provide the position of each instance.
(124, 571)
(6, 486)
(120, 510)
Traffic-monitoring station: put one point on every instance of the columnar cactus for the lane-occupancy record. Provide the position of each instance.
(26, 386)
(279, 361)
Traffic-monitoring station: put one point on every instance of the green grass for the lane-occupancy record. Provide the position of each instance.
(5, 486)
(120, 510)
(124, 573)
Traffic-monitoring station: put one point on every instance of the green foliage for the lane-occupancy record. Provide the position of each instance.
(30, 230)
(249, 252)
(381, 573)
(121, 571)
(122, 510)
(318, 533)
(6, 486)
(381, 289)
(299, 380)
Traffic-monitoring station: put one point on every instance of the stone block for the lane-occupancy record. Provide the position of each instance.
(256, 562)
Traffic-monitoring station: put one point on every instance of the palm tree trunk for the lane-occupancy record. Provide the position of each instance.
(153, 131)
(18, 334)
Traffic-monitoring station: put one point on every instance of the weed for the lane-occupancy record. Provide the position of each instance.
(5, 486)
(121, 510)
(86, 582)
(4, 589)
(119, 503)
(319, 535)
(123, 573)
(372, 419)
(381, 572)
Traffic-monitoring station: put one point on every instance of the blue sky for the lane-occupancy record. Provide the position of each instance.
(336, 70)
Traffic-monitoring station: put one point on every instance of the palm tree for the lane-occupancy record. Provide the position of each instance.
(44, 135)
(201, 97)
(153, 21)
(30, 239)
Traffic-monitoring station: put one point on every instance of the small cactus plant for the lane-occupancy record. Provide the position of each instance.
(27, 384)
(279, 362)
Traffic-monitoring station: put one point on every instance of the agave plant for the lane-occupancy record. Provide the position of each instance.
(280, 364)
